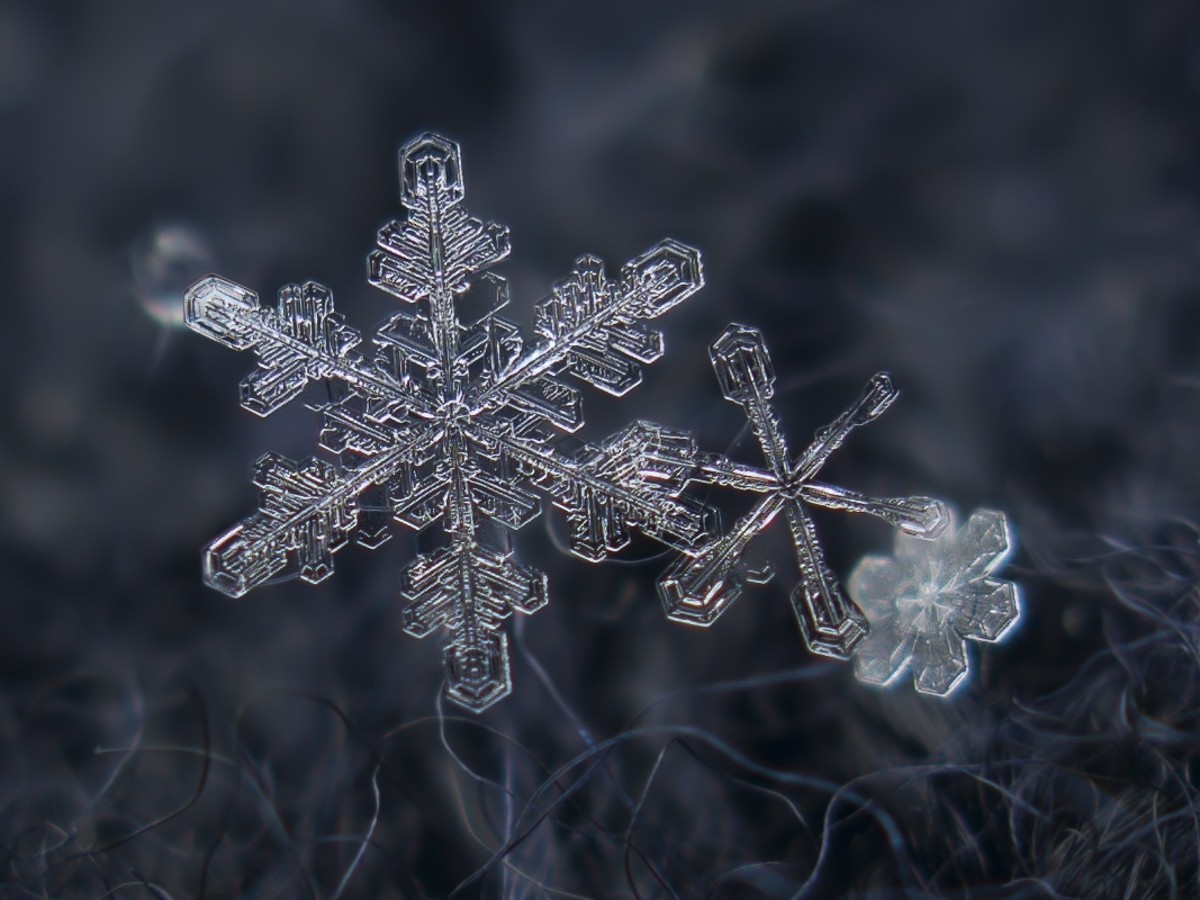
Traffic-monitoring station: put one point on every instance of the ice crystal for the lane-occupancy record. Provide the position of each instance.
(448, 418)
(705, 582)
(924, 602)
(453, 419)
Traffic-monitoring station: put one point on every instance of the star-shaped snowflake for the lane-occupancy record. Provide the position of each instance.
(451, 419)
(447, 420)
(925, 602)
(708, 579)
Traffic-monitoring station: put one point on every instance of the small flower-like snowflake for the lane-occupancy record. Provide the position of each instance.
(924, 603)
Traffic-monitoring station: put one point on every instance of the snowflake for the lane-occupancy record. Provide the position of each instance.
(704, 583)
(452, 419)
(927, 600)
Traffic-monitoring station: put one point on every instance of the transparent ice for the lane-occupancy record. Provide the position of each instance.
(448, 416)
(703, 584)
(924, 602)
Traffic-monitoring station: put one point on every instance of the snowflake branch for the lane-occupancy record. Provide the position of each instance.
(605, 502)
(301, 340)
(591, 328)
(831, 624)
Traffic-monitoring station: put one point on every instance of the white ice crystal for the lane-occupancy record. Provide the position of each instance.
(705, 582)
(448, 418)
(927, 600)
(452, 419)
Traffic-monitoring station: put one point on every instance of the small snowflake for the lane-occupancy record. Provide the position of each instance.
(705, 582)
(924, 602)
(452, 419)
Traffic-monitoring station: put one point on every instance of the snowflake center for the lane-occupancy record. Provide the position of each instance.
(926, 609)
(455, 414)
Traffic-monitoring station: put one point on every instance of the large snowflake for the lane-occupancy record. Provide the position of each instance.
(452, 420)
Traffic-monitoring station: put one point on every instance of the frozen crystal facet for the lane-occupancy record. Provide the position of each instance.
(446, 416)
(708, 579)
(451, 418)
(924, 602)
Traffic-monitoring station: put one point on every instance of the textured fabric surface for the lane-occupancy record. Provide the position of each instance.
(995, 202)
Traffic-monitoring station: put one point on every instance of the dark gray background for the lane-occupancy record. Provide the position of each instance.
(996, 201)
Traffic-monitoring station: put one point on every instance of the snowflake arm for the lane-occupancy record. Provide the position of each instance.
(468, 589)
(307, 513)
(302, 513)
(300, 340)
(594, 329)
(700, 587)
(433, 253)
(929, 598)
(604, 490)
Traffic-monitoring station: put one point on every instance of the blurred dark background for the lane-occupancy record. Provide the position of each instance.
(996, 201)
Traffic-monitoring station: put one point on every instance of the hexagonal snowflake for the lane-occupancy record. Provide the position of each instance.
(452, 419)
(925, 602)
